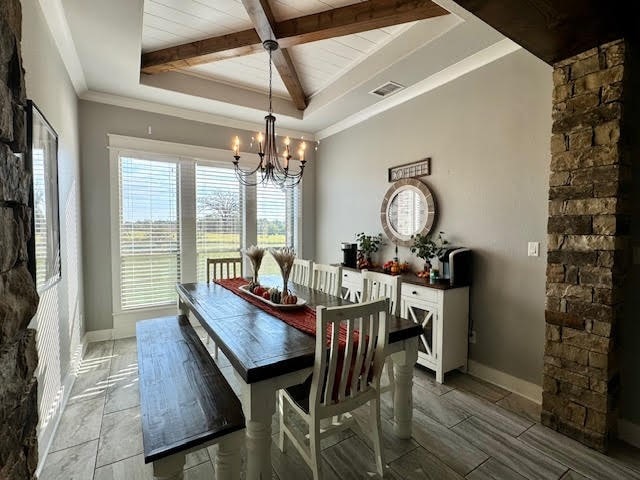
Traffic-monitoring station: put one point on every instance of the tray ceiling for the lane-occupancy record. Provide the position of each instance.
(337, 60)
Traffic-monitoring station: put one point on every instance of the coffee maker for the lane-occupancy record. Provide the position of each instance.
(349, 254)
(457, 266)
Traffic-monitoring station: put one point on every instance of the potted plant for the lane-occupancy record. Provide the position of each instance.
(367, 245)
(426, 247)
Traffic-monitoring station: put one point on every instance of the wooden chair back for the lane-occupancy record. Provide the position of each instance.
(327, 279)
(345, 372)
(224, 268)
(380, 285)
(301, 272)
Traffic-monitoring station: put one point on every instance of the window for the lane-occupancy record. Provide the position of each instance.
(171, 211)
(149, 240)
(218, 215)
(276, 220)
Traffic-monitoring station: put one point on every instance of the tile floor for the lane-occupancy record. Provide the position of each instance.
(465, 428)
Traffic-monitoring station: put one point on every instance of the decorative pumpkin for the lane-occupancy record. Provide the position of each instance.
(266, 295)
(289, 300)
(252, 286)
(395, 268)
(275, 295)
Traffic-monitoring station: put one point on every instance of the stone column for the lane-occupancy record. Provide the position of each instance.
(18, 298)
(589, 226)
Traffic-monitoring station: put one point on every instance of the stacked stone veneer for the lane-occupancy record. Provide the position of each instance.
(18, 298)
(588, 231)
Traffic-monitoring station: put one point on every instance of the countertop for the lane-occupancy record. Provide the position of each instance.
(413, 279)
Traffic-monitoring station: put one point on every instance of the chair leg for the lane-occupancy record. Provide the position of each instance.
(376, 434)
(282, 412)
(314, 444)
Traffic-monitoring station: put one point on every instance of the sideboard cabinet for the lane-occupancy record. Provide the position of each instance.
(442, 311)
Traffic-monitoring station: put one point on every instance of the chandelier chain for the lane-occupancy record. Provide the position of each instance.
(270, 80)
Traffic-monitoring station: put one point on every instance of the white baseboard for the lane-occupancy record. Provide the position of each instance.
(516, 385)
(97, 336)
(629, 432)
(46, 440)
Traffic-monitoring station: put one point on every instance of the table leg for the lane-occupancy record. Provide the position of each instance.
(259, 405)
(183, 309)
(404, 362)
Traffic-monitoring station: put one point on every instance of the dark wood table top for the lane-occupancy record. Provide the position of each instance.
(184, 398)
(259, 345)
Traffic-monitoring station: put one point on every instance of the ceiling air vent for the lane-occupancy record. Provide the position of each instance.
(387, 89)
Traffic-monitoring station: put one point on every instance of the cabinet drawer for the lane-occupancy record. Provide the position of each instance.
(410, 291)
(350, 278)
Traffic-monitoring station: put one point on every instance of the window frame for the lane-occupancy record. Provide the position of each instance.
(186, 156)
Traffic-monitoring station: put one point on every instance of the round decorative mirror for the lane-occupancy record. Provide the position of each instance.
(408, 208)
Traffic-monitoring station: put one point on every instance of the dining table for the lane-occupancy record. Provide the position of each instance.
(268, 354)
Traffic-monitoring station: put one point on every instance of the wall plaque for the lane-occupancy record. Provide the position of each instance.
(420, 168)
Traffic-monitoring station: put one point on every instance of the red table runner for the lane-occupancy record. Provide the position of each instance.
(303, 319)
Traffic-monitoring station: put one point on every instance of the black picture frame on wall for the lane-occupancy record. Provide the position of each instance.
(42, 161)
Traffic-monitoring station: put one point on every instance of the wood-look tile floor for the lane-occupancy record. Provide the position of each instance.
(465, 428)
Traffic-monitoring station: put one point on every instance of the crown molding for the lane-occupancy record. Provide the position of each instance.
(184, 113)
(479, 59)
(56, 19)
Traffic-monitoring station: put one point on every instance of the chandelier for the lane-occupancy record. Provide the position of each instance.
(269, 168)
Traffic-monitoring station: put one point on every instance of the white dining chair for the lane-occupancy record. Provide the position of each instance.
(301, 272)
(344, 378)
(230, 267)
(380, 285)
(327, 279)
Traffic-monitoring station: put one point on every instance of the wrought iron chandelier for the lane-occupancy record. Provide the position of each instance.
(269, 168)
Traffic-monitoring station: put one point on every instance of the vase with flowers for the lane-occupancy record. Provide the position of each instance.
(255, 255)
(367, 245)
(427, 248)
(284, 257)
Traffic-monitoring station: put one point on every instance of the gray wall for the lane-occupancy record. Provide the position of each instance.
(59, 321)
(488, 135)
(96, 121)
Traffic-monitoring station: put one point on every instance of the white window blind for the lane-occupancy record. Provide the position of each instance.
(219, 207)
(40, 214)
(277, 221)
(149, 232)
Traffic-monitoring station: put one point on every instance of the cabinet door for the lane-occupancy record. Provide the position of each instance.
(425, 314)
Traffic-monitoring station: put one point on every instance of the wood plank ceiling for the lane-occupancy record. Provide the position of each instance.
(319, 39)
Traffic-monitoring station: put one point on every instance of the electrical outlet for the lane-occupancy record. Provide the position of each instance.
(472, 336)
(534, 249)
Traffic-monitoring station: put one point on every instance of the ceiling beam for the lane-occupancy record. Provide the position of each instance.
(552, 30)
(347, 20)
(264, 22)
(203, 51)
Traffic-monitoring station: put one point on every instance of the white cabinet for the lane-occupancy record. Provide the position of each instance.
(443, 314)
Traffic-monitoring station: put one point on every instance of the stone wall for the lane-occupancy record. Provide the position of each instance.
(588, 250)
(18, 298)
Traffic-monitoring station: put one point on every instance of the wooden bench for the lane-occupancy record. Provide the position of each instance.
(186, 402)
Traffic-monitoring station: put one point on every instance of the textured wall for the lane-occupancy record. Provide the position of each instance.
(589, 227)
(488, 135)
(18, 298)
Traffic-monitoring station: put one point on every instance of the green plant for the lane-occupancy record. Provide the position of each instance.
(426, 247)
(369, 244)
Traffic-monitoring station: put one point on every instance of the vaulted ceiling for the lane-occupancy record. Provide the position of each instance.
(318, 40)
(203, 59)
